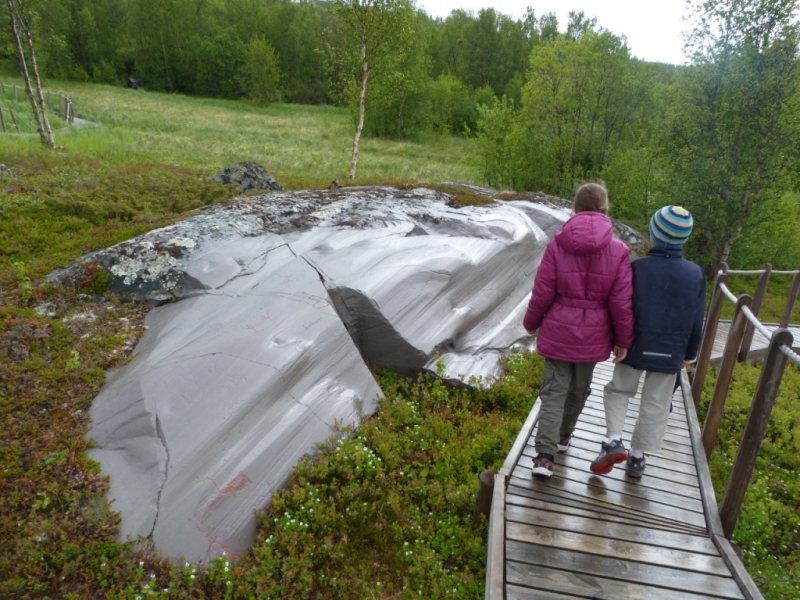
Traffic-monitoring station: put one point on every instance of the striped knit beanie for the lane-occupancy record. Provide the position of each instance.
(671, 226)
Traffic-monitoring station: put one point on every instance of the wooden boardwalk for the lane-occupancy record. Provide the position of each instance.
(580, 535)
(758, 348)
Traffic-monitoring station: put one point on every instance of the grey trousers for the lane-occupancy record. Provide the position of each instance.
(651, 424)
(564, 389)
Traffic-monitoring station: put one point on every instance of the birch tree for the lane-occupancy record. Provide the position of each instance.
(733, 129)
(380, 32)
(20, 17)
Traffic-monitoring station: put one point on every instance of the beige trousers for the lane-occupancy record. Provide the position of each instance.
(651, 424)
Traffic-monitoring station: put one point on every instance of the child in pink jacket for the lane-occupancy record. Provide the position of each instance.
(581, 307)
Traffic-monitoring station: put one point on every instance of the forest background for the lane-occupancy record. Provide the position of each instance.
(548, 106)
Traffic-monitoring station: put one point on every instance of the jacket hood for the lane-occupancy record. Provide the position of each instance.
(585, 233)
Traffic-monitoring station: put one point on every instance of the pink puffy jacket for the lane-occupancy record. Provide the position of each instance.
(581, 299)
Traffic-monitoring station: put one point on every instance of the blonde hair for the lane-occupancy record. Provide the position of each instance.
(591, 197)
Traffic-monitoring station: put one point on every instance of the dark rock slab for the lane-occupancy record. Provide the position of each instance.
(249, 176)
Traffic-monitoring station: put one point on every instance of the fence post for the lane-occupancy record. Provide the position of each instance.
(709, 334)
(2, 120)
(13, 118)
(15, 94)
(749, 332)
(754, 429)
(725, 376)
(791, 300)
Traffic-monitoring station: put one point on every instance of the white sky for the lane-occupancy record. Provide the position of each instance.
(652, 27)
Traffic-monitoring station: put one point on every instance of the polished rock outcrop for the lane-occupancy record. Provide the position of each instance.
(285, 302)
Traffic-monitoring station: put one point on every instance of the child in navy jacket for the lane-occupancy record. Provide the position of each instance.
(669, 295)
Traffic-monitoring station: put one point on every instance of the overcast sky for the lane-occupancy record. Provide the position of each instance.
(652, 27)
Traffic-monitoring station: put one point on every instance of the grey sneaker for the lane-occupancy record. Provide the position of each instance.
(635, 467)
(610, 455)
(543, 465)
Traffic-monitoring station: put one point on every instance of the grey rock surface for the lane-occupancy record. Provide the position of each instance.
(285, 300)
(249, 176)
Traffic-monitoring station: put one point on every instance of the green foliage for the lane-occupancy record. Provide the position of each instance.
(731, 129)
(767, 530)
(388, 508)
(23, 283)
(53, 213)
(260, 76)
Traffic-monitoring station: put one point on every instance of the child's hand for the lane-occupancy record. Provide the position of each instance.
(619, 353)
(532, 331)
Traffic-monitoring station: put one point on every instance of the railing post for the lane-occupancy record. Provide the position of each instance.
(754, 429)
(709, 334)
(725, 376)
(791, 300)
(13, 118)
(2, 120)
(758, 298)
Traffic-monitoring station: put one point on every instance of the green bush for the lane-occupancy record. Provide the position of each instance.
(388, 508)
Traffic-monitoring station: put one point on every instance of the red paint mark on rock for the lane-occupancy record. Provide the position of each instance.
(237, 484)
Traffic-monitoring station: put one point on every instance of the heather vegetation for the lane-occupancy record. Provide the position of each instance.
(385, 510)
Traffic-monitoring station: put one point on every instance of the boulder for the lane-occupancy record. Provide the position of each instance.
(285, 300)
(249, 176)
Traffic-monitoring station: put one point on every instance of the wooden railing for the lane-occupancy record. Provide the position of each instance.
(56, 102)
(737, 347)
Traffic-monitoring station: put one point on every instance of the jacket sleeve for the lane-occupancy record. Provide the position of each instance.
(697, 328)
(544, 290)
(620, 303)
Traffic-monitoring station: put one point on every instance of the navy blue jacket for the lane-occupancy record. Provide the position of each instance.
(669, 299)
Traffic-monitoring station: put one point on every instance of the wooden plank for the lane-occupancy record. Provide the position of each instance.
(675, 425)
(650, 575)
(612, 497)
(516, 593)
(590, 442)
(613, 548)
(583, 585)
(496, 559)
(581, 464)
(694, 544)
(548, 503)
(708, 498)
(676, 452)
(680, 439)
(656, 469)
(561, 499)
(522, 439)
(740, 575)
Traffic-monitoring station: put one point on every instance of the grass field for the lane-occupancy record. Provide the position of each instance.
(302, 146)
(147, 163)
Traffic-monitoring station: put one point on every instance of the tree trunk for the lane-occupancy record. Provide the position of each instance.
(361, 110)
(42, 125)
(48, 139)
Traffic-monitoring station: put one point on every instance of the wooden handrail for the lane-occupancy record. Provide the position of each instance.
(754, 430)
(724, 377)
(758, 298)
(745, 322)
(709, 335)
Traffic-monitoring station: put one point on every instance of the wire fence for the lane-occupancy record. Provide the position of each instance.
(56, 103)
